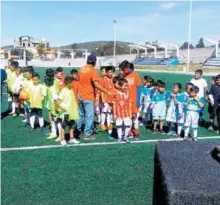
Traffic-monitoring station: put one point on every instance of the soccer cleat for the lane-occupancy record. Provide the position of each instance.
(58, 139)
(21, 115)
(195, 139)
(109, 137)
(14, 115)
(185, 138)
(170, 132)
(24, 121)
(51, 136)
(210, 128)
(74, 141)
(63, 142)
(162, 132)
(11, 113)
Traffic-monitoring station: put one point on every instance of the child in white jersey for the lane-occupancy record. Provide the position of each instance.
(173, 111)
(193, 109)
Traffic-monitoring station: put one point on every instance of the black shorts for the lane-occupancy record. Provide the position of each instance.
(16, 98)
(36, 112)
(66, 122)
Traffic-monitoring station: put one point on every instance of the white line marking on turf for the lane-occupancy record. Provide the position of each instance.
(99, 143)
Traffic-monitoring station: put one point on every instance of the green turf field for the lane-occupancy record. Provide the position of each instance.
(102, 174)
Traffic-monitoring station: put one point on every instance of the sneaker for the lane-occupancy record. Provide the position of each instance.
(51, 136)
(11, 113)
(174, 133)
(74, 141)
(21, 115)
(126, 140)
(210, 128)
(63, 142)
(91, 137)
(109, 137)
(170, 132)
(178, 136)
(162, 132)
(195, 139)
(185, 138)
(24, 121)
(58, 139)
(14, 115)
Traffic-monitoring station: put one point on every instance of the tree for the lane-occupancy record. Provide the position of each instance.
(185, 46)
(74, 46)
(200, 43)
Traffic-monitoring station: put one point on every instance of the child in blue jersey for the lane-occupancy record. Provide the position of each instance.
(181, 100)
(158, 106)
(193, 108)
(145, 92)
(173, 111)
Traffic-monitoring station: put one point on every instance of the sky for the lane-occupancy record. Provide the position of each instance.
(63, 23)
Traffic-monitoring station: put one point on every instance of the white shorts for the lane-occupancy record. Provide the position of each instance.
(106, 108)
(192, 119)
(123, 121)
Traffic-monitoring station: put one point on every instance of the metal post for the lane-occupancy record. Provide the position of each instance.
(189, 37)
(115, 42)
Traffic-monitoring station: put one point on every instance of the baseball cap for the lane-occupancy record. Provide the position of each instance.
(92, 58)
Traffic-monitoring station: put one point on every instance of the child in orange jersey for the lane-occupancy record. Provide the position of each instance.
(123, 110)
(98, 103)
(134, 81)
(106, 114)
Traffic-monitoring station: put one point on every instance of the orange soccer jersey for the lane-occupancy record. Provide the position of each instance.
(122, 105)
(75, 87)
(107, 83)
(134, 81)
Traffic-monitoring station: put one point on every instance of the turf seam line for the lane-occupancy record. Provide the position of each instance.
(97, 144)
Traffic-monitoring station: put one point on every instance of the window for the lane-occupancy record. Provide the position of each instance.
(28, 44)
(23, 44)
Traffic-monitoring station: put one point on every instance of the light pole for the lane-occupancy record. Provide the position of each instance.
(114, 42)
(189, 36)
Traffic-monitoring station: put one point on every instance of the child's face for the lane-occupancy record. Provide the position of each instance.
(192, 94)
(59, 75)
(176, 89)
(126, 71)
(149, 85)
(28, 75)
(124, 87)
(161, 89)
(18, 72)
(212, 82)
(197, 75)
(103, 72)
(144, 82)
(121, 72)
(110, 74)
(36, 80)
(188, 88)
(12, 68)
(217, 81)
(75, 76)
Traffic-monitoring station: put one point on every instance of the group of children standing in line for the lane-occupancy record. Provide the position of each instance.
(132, 103)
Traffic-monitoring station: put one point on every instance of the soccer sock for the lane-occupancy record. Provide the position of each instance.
(109, 129)
(119, 131)
(59, 128)
(13, 107)
(103, 118)
(179, 129)
(127, 130)
(32, 121)
(17, 111)
(187, 132)
(136, 123)
(53, 128)
(41, 121)
(195, 132)
(22, 110)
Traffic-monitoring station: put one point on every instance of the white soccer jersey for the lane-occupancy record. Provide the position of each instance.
(201, 84)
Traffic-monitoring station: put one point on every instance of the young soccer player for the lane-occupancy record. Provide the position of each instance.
(181, 100)
(106, 113)
(98, 100)
(19, 108)
(211, 107)
(158, 106)
(68, 111)
(38, 94)
(214, 95)
(193, 108)
(11, 76)
(134, 81)
(123, 110)
(59, 78)
(75, 83)
(145, 99)
(50, 102)
(173, 111)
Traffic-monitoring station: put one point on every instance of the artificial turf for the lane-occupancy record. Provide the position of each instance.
(113, 174)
